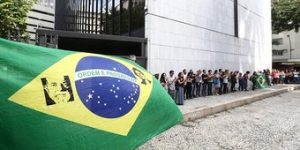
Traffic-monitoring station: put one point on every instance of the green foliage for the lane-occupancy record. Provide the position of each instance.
(285, 15)
(13, 15)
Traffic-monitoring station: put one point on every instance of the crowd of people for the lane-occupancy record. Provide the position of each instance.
(189, 85)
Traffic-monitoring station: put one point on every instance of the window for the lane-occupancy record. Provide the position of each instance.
(47, 3)
(277, 41)
(279, 52)
(117, 17)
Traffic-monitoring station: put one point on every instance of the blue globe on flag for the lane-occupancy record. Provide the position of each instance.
(106, 87)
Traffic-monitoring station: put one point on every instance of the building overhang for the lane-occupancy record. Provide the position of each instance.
(286, 60)
(71, 34)
(123, 46)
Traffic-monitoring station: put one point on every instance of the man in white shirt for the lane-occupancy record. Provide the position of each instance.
(171, 79)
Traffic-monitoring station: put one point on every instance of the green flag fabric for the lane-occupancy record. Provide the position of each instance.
(57, 99)
(260, 81)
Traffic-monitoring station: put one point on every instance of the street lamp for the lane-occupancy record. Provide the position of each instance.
(290, 43)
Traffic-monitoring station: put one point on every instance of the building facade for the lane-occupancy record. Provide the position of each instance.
(40, 16)
(286, 49)
(206, 34)
(195, 34)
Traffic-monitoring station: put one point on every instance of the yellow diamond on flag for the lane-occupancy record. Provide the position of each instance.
(92, 90)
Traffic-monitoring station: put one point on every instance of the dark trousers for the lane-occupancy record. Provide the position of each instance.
(194, 89)
(188, 90)
(184, 91)
(286, 80)
(198, 89)
(275, 81)
(245, 85)
(241, 85)
(172, 93)
(180, 95)
(225, 88)
(221, 88)
(267, 80)
(209, 88)
(296, 80)
(204, 89)
(254, 86)
(232, 87)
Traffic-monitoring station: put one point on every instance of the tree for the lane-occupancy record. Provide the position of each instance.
(285, 15)
(13, 15)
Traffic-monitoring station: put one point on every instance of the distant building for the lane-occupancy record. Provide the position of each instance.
(40, 16)
(168, 34)
(286, 50)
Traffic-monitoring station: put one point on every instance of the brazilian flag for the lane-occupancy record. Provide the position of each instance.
(56, 99)
(260, 81)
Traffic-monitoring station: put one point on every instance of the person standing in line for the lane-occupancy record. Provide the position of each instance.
(281, 77)
(229, 81)
(163, 81)
(245, 81)
(241, 86)
(189, 85)
(233, 81)
(179, 89)
(253, 80)
(205, 83)
(264, 73)
(290, 77)
(199, 81)
(225, 81)
(216, 82)
(194, 85)
(286, 79)
(221, 81)
(171, 84)
(277, 75)
(273, 77)
(185, 79)
(268, 79)
(296, 77)
(210, 82)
